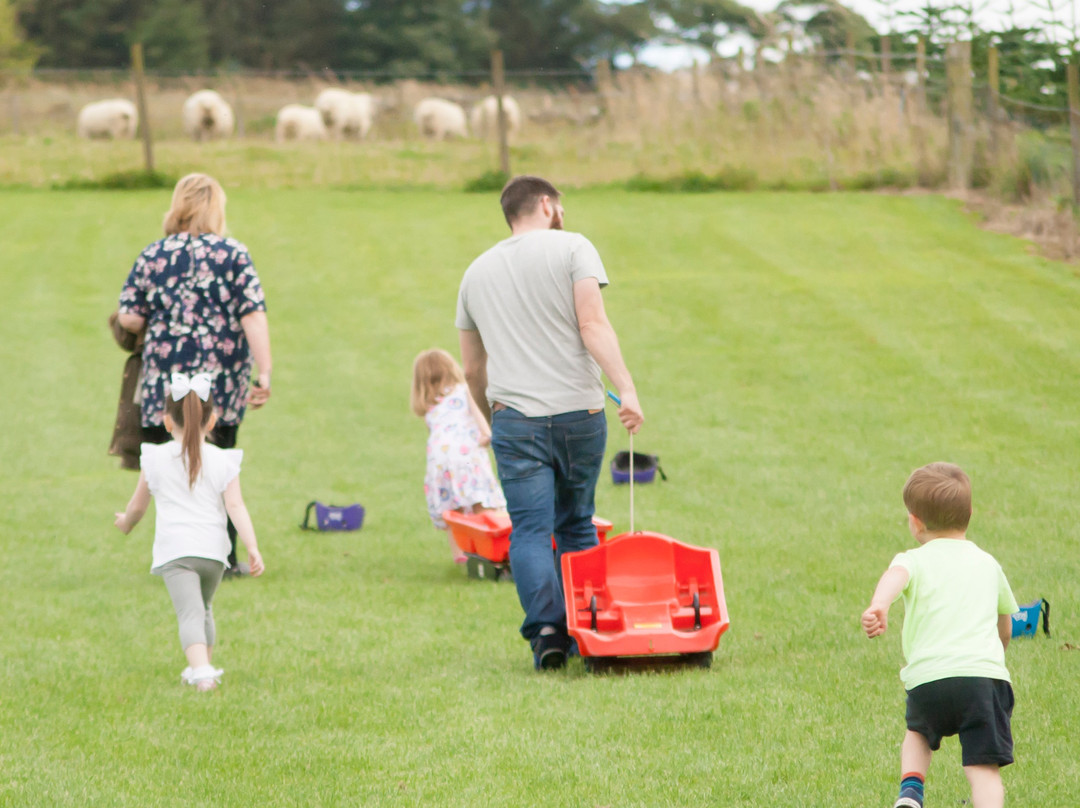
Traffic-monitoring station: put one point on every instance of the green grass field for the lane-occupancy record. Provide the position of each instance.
(796, 357)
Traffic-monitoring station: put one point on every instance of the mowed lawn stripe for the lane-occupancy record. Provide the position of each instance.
(796, 355)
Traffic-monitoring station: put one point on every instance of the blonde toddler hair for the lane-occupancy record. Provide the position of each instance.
(434, 372)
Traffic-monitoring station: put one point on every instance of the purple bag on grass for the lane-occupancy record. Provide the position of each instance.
(334, 517)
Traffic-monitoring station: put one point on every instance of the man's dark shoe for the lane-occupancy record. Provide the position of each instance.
(549, 650)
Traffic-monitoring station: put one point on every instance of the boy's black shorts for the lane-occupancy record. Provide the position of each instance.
(974, 707)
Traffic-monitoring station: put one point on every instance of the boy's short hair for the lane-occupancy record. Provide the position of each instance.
(939, 494)
(521, 195)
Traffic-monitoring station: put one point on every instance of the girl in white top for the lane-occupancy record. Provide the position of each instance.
(196, 487)
(459, 475)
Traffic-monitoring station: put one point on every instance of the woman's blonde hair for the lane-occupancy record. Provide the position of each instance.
(198, 206)
(434, 372)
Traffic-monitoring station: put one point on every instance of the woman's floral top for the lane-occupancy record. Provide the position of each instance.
(193, 292)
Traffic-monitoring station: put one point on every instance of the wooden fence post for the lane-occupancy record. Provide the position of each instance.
(849, 46)
(13, 108)
(1073, 74)
(961, 151)
(605, 89)
(886, 59)
(920, 71)
(499, 83)
(140, 98)
(994, 80)
(238, 107)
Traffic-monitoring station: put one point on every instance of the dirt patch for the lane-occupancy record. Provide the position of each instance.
(1053, 231)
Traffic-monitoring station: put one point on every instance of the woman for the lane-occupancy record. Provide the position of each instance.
(197, 295)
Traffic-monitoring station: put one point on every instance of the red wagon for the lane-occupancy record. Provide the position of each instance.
(644, 595)
(485, 538)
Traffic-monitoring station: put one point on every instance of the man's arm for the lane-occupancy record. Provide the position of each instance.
(474, 363)
(603, 345)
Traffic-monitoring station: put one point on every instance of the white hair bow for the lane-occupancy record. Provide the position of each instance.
(199, 383)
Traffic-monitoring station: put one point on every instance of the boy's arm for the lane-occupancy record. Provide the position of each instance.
(876, 617)
(136, 506)
(1005, 629)
(241, 519)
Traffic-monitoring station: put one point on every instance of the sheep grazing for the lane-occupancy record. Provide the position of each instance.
(345, 114)
(484, 117)
(206, 115)
(296, 122)
(438, 118)
(115, 119)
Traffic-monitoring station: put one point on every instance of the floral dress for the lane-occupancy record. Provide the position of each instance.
(459, 471)
(193, 292)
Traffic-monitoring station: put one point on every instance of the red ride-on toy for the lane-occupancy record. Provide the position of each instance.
(485, 538)
(645, 598)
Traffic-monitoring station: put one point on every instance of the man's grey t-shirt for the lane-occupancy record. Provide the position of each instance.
(520, 296)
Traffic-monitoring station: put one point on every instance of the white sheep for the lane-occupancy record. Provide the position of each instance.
(345, 114)
(115, 118)
(484, 117)
(206, 115)
(297, 122)
(438, 118)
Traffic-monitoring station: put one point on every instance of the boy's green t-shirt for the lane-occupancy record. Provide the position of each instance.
(952, 601)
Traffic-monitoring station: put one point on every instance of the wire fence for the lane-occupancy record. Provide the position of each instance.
(838, 110)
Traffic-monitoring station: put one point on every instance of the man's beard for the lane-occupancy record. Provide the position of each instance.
(556, 221)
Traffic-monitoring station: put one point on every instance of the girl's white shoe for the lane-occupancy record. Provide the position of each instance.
(204, 673)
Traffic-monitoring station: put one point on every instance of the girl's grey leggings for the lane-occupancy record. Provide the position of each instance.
(191, 583)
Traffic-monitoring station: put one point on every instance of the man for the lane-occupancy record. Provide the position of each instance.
(534, 340)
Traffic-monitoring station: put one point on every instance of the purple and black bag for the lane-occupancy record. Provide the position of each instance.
(333, 517)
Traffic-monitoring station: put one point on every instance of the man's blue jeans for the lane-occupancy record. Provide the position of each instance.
(548, 468)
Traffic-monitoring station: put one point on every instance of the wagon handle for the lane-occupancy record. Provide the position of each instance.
(618, 402)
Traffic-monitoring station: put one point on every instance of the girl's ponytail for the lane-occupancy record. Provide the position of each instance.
(193, 438)
(189, 406)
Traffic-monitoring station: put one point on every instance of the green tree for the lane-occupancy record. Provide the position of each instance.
(831, 24)
(17, 56)
(81, 33)
(612, 29)
(175, 36)
(707, 23)
(543, 34)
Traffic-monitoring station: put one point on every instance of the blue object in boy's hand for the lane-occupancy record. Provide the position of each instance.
(1025, 623)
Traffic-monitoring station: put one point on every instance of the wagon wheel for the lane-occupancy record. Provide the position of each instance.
(596, 664)
(701, 659)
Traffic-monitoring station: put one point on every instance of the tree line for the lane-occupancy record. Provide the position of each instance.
(405, 37)
(454, 38)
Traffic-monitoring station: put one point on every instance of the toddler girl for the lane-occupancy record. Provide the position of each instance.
(196, 487)
(459, 475)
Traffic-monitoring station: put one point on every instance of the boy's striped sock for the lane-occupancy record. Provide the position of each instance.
(912, 787)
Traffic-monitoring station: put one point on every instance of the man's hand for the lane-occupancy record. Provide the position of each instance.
(630, 415)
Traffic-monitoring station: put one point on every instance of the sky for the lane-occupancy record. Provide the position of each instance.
(990, 14)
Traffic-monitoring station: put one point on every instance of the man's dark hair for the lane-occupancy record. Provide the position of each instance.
(522, 194)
